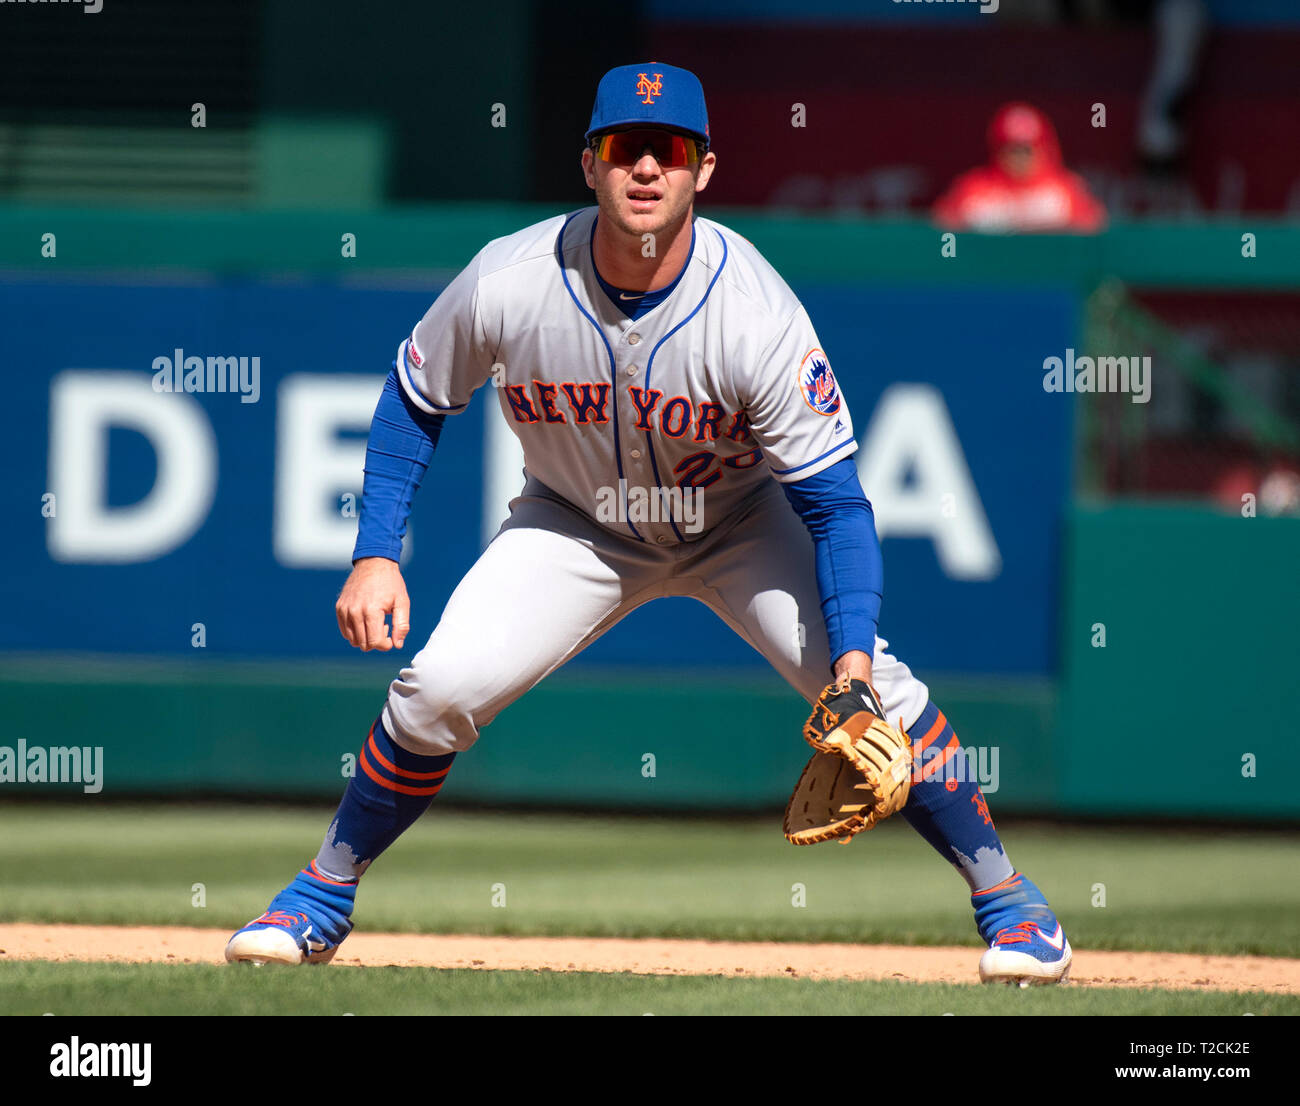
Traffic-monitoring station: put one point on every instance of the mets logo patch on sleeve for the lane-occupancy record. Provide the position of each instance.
(817, 382)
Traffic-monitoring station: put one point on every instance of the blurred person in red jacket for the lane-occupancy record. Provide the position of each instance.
(1025, 187)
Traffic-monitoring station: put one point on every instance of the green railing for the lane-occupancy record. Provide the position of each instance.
(803, 248)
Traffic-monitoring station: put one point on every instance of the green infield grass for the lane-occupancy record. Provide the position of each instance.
(75, 989)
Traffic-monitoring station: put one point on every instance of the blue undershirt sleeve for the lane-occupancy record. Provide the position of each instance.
(850, 569)
(401, 442)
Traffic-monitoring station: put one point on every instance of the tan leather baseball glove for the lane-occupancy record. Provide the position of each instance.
(860, 774)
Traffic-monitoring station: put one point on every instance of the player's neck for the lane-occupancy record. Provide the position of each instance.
(621, 258)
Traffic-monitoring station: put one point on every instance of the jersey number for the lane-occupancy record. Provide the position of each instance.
(691, 471)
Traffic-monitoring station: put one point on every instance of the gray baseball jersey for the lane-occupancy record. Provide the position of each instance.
(711, 393)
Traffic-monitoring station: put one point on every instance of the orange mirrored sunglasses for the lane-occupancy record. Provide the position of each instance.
(672, 151)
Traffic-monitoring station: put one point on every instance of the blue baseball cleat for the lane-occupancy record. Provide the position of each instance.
(305, 923)
(1026, 942)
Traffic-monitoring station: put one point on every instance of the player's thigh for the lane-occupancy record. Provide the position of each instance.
(546, 586)
(762, 581)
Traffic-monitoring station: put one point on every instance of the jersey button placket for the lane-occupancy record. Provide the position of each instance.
(634, 453)
(632, 338)
(635, 475)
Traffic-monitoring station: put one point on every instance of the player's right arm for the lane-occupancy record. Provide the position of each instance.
(436, 371)
(401, 444)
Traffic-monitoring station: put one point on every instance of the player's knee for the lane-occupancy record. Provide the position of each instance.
(430, 717)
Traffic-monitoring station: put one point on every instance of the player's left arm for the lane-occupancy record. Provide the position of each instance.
(850, 569)
(802, 424)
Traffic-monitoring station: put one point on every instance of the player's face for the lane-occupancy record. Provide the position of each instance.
(640, 189)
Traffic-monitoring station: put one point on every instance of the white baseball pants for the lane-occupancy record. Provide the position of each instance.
(553, 580)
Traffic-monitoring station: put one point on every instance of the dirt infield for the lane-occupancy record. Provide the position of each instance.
(139, 944)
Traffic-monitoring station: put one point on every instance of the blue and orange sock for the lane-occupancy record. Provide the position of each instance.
(391, 789)
(327, 902)
(1016, 899)
(946, 806)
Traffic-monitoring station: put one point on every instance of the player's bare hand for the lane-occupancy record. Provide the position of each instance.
(854, 665)
(375, 589)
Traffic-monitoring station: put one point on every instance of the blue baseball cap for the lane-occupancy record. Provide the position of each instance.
(650, 95)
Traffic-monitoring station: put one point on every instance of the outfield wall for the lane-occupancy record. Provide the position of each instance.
(1179, 694)
(200, 650)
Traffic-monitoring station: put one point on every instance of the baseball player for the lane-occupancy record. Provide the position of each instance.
(683, 435)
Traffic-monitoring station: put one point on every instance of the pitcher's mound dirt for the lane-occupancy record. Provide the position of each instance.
(138, 944)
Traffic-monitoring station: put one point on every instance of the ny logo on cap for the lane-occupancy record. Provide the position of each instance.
(648, 88)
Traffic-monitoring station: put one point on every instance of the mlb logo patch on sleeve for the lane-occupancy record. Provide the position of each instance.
(817, 383)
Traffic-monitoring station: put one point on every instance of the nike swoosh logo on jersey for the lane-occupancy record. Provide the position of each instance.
(634, 296)
(1056, 940)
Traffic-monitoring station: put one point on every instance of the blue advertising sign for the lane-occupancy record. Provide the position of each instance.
(187, 462)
